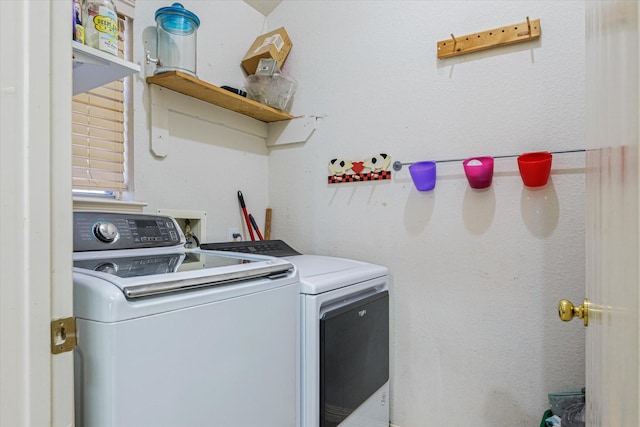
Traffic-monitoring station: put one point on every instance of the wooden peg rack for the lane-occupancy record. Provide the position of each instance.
(516, 33)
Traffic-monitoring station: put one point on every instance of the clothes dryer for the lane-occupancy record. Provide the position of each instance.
(344, 309)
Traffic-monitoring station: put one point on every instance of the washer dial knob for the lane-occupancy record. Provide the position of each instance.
(105, 232)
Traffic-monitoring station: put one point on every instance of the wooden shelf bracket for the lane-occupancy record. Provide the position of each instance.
(522, 32)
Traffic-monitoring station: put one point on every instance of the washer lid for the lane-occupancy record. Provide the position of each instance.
(320, 274)
(140, 273)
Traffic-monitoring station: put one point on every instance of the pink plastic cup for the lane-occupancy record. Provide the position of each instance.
(535, 168)
(479, 171)
(423, 175)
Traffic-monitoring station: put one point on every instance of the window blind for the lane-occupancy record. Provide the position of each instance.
(99, 133)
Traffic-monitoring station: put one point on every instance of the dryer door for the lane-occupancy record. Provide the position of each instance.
(354, 356)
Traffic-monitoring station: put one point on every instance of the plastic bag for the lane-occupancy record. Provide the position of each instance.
(574, 415)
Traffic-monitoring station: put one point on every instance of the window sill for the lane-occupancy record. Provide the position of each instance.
(92, 204)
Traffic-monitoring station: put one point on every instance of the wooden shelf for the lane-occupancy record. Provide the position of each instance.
(196, 88)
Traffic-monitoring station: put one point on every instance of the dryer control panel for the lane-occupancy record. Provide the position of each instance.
(99, 231)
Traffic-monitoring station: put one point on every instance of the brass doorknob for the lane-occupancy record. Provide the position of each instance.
(567, 311)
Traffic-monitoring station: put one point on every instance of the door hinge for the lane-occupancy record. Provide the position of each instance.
(63, 335)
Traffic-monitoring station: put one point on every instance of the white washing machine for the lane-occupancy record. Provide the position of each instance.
(173, 337)
(344, 309)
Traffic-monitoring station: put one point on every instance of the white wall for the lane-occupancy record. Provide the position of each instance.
(207, 161)
(476, 276)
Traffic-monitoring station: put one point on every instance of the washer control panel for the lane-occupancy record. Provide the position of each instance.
(99, 231)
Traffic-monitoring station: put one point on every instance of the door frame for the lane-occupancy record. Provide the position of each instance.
(36, 211)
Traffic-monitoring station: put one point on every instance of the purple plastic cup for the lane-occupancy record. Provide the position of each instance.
(423, 175)
(479, 171)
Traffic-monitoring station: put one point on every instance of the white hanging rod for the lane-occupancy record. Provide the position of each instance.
(397, 165)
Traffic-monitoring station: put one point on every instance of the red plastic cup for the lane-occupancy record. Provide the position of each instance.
(423, 175)
(479, 171)
(535, 168)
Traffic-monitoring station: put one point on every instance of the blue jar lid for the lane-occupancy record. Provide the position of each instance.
(177, 19)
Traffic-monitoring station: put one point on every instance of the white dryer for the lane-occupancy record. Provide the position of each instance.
(344, 363)
(344, 307)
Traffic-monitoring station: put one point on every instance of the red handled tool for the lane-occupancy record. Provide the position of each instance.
(255, 226)
(246, 215)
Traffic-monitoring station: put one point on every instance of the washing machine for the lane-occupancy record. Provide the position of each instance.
(169, 336)
(344, 357)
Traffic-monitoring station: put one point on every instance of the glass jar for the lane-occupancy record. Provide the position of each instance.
(100, 20)
(176, 48)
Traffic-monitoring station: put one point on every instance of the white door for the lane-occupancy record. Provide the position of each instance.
(35, 210)
(613, 214)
